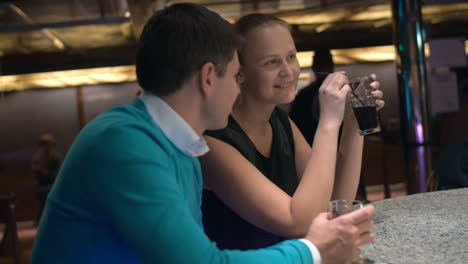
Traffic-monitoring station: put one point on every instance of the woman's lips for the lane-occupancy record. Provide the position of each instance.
(285, 85)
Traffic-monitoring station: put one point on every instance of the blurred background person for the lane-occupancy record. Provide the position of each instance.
(46, 163)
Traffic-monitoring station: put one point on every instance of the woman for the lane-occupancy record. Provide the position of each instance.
(263, 181)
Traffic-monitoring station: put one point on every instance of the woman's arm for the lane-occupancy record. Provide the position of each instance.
(243, 188)
(349, 158)
(256, 199)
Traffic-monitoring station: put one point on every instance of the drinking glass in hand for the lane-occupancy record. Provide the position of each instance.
(364, 107)
(341, 207)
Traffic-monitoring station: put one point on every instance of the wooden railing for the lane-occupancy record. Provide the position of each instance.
(10, 246)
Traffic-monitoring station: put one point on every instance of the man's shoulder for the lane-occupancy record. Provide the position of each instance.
(129, 112)
(124, 116)
(124, 128)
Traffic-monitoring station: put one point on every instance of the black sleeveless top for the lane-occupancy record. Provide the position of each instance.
(224, 226)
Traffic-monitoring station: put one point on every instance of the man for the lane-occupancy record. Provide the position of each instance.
(130, 188)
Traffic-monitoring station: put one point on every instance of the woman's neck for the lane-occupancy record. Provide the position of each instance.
(252, 115)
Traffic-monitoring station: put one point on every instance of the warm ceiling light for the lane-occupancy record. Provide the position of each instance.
(352, 56)
(317, 18)
(381, 23)
(359, 55)
(57, 79)
(305, 58)
(340, 14)
(375, 12)
(322, 27)
(438, 9)
(372, 13)
(121, 74)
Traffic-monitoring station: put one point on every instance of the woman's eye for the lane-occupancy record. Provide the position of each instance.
(292, 56)
(270, 62)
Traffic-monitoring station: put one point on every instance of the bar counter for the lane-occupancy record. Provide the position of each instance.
(421, 228)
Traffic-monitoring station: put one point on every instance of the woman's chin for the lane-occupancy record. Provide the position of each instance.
(288, 98)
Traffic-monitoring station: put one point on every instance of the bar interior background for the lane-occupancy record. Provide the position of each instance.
(64, 62)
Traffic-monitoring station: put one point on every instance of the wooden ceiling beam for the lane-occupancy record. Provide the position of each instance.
(141, 11)
(58, 61)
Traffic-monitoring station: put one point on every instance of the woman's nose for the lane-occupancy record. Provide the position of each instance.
(286, 69)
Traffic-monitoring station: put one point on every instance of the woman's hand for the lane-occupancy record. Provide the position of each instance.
(377, 94)
(332, 97)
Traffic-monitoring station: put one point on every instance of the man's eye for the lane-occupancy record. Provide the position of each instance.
(238, 77)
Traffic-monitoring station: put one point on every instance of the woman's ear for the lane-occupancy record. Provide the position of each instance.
(207, 76)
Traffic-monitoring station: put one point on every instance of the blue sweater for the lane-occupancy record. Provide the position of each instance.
(127, 194)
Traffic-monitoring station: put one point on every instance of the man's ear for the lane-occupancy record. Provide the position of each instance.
(207, 74)
(240, 77)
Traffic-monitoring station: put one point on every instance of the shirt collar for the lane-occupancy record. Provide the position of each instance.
(174, 126)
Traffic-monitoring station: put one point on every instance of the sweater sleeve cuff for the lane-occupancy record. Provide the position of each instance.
(317, 259)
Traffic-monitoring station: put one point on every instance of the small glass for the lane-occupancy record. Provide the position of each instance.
(364, 107)
(340, 207)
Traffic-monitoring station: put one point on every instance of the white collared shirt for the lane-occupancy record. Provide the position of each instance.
(174, 126)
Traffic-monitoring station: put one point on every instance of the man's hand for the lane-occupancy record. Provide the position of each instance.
(339, 239)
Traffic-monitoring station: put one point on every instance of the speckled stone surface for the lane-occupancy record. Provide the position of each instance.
(421, 229)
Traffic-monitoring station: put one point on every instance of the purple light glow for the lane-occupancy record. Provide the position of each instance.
(422, 173)
(419, 132)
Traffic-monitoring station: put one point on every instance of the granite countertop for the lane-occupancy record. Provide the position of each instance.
(421, 228)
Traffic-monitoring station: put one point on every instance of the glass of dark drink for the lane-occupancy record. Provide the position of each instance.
(364, 107)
